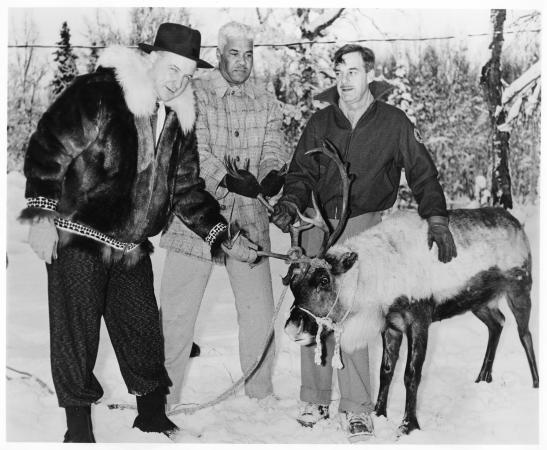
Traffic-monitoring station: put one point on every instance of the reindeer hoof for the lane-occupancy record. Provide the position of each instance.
(380, 411)
(407, 427)
(484, 377)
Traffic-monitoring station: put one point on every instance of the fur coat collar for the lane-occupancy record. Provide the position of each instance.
(132, 72)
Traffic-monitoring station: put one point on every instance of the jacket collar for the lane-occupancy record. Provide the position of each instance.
(131, 70)
(331, 96)
(222, 87)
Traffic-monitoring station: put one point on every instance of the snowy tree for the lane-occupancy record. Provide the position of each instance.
(306, 67)
(26, 93)
(143, 25)
(66, 62)
(492, 86)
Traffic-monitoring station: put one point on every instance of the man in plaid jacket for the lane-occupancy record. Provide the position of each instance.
(236, 119)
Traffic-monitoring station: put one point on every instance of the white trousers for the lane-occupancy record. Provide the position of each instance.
(182, 287)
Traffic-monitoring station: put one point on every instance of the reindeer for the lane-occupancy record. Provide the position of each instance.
(387, 281)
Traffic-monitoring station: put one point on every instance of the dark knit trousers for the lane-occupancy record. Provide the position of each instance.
(82, 289)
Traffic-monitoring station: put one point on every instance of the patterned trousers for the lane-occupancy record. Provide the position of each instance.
(82, 289)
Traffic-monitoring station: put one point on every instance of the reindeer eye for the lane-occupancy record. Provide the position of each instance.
(324, 281)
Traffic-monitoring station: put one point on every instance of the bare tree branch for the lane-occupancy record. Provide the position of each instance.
(319, 29)
(262, 18)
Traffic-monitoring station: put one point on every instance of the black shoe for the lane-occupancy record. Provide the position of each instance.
(80, 428)
(196, 351)
(152, 417)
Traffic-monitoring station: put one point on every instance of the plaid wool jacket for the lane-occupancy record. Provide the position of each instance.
(243, 122)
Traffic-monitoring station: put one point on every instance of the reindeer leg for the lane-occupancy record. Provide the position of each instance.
(417, 333)
(391, 340)
(520, 304)
(493, 318)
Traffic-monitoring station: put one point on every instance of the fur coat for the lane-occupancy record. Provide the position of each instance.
(94, 154)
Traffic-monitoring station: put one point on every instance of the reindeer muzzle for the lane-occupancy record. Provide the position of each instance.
(295, 330)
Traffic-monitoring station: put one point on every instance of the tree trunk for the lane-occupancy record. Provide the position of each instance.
(492, 89)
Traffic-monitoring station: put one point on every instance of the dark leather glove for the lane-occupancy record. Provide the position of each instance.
(272, 183)
(284, 214)
(244, 183)
(439, 233)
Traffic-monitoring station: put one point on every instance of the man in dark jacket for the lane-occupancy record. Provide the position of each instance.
(378, 141)
(111, 158)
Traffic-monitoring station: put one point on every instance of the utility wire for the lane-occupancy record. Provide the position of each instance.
(296, 44)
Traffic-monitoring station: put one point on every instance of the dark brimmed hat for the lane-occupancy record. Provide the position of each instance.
(178, 39)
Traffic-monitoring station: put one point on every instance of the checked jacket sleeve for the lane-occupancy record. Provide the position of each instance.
(196, 207)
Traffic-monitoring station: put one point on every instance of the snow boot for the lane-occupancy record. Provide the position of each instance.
(359, 426)
(311, 413)
(78, 421)
(152, 417)
(196, 351)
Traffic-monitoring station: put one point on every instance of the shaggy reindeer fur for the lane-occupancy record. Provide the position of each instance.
(395, 261)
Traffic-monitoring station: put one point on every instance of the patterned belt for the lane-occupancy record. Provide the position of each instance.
(82, 230)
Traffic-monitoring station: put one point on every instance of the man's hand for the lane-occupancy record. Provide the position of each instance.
(244, 183)
(439, 233)
(284, 214)
(43, 238)
(272, 182)
(241, 249)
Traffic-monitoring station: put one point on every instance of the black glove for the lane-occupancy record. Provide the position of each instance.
(272, 183)
(284, 214)
(439, 233)
(245, 183)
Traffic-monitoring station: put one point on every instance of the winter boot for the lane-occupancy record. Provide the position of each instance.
(359, 426)
(78, 421)
(311, 413)
(152, 417)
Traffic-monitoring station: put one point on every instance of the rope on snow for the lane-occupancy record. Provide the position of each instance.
(184, 408)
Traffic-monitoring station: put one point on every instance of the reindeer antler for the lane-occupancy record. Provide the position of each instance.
(306, 222)
(330, 150)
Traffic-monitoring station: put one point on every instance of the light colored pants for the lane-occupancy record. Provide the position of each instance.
(354, 378)
(182, 287)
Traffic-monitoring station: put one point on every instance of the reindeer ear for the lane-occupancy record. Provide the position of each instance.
(341, 264)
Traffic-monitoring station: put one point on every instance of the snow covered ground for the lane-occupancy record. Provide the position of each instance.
(452, 409)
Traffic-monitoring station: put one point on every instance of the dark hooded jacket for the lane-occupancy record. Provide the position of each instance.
(94, 153)
(383, 142)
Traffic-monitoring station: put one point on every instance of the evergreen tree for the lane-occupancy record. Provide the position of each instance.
(66, 62)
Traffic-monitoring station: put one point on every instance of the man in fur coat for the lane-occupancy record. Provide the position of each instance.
(111, 159)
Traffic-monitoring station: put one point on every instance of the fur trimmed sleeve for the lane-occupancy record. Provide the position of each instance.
(196, 207)
(63, 132)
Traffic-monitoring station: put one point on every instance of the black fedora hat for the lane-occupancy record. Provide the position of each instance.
(179, 39)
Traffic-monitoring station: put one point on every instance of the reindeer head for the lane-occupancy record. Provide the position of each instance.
(314, 281)
(316, 289)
